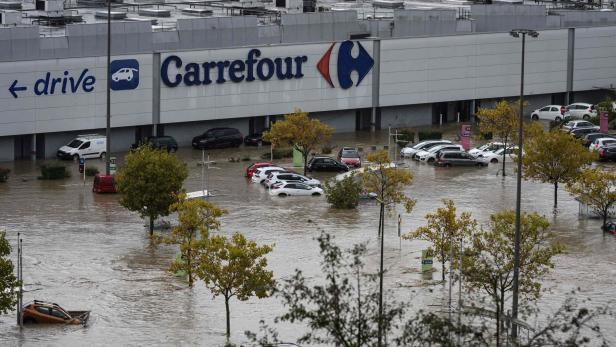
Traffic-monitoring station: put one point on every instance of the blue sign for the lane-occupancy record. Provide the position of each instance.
(346, 64)
(204, 73)
(124, 74)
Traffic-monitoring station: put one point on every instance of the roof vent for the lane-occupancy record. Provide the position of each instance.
(154, 12)
(113, 14)
(199, 12)
(10, 5)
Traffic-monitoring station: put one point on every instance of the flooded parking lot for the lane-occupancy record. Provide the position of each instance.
(84, 251)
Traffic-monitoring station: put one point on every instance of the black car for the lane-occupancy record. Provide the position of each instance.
(590, 138)
(256, 139)
(581, 132)
(218, 138)
(158, 142)
(607, 153)
(326, 164)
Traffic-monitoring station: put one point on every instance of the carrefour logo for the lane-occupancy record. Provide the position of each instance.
(124, 74)
(362, 64)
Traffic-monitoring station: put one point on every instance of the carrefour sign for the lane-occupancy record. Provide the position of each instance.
(257, 67)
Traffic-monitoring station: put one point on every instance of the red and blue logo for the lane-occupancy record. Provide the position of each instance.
(362, 64)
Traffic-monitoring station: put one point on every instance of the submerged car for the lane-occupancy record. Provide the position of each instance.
(488, 147)
(41, 312)
(409, 152)
(350, 157)
(294, 188)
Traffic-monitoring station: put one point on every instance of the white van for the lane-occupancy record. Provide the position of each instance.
(84, 146)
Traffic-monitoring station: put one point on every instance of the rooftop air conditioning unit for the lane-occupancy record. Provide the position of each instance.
(9, 17)
(50, 5)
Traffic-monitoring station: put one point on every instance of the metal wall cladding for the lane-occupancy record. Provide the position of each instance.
(594, 58)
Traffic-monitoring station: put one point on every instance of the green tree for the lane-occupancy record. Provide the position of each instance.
(150, 181)
(501, 121)
(554, 157)
(195, 215)
(387, 182)
(299, 131)
(344, 193)
(443, 229)
(597, 189)
(488, 264)
(235, 267)
(8, 282)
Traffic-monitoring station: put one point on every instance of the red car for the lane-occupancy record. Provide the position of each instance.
(349, 156)
(253, 167)
(104, 184)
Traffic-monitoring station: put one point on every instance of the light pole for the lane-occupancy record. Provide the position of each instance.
(108, 129)
(516, 253)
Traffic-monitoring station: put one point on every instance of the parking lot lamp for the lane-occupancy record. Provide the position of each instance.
(108, 129)
(516, 255)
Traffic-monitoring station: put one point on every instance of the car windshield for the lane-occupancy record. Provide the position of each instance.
(75, 143)
(584, 124)
(350, 154)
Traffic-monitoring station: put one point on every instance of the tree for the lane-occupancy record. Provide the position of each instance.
(235, 267)
(501, 121)
(343, 194)
(195, 215)
(299, 131)
(554, 157)
(443, 229)
(8, 282)
(597, 189)
(150, 181)
(488, 264)
(386, 181)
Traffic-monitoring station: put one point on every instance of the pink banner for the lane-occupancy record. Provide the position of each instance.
(465, 136)
(603, 121)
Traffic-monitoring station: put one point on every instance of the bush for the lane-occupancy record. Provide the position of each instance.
(91, 171)
(4, 174)
(54, 172)
(327, 149)
(279, 153)
(429, 135)
(343, 194)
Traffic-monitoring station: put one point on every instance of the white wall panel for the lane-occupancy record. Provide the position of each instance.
(594, 58)
(257, 98)
(448, 68)
(30, 113)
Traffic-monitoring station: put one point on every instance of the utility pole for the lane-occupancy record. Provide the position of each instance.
(516, 255)
(108, 129)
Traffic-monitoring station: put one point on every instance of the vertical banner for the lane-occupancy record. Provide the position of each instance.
(298, 158)
(112, 165)
(603, 121)
(426, 260)
(465, 136)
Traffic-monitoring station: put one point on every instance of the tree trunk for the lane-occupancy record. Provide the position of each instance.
(305, 162)
(605, 212)
(502, 309)
(498, 325)
(359, 316)
(228, 318)
(443, 267)
(555, 194)
(189, 268)
(504, 163)
(151, 226)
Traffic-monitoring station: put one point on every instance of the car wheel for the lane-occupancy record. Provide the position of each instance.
(535, 117)
(282, 194)
(479, 164)
(103, 155)
(30, 320)
(447, 165)
(585, 117)
(558, 119)
(260, 143)
(76, 157)
(430, 160)
(494, 161)
(316, 194)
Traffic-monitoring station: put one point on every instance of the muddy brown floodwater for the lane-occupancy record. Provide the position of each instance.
(84, 251)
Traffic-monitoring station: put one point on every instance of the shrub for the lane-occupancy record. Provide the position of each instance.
(4, 174)
(245, 158)
(279, 153)
(343, 194)
(429, 135)
(326, 149)
(54, 172)
(91, 171)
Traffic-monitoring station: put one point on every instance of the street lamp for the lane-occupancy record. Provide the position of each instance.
(108, 128)
(516, 254)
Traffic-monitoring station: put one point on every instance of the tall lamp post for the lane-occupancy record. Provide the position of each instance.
(108, 129)
(516, 255)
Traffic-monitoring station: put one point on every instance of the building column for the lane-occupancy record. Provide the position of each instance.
(570, 67)
(155, 93)
(376, 74)
(33, 147)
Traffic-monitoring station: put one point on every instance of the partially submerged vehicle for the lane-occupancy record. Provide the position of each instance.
(42, 312)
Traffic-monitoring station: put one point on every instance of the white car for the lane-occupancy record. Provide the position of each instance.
(408, 152)
(294, 188)
(261, 173)
(429, 156)
(124, 74)
(488, 147)
(576, 124)
(276, 177)
(549, 112)
(497, 156)
(601, 142)
(581, 110)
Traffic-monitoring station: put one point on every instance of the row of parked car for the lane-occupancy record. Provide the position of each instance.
(593, 138)
(446, 153)
(558, 113)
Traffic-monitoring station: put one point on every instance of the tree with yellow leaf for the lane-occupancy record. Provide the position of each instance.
(194, 216)
(299, 131)
(387, 181)
(445, 228)
(501, 121)
(554, 157)
(597, 189)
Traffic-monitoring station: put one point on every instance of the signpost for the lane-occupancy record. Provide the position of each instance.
(465, 136)
(603, 121)
(112, 165)
(426, 260)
